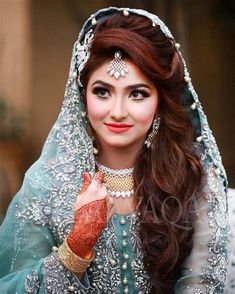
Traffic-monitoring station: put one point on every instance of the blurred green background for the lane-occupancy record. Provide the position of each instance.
(36, 39)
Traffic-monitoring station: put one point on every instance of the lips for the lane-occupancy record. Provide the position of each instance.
(118, 128)
(118, 125)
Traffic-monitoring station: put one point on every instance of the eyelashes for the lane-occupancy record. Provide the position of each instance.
(136, 94)
(143, 93)
(101, 92)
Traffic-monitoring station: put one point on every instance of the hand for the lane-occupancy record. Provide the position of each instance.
(94, 190)
(93, 209)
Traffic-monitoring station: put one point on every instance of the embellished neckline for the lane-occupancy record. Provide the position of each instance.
(130, 214)
(120, 182)
(115, 172)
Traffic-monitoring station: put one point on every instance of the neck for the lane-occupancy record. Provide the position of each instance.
(118, 158)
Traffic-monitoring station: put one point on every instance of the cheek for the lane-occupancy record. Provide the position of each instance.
(144, 114)
(95, 108)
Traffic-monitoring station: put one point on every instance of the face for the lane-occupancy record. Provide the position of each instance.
(121, 111)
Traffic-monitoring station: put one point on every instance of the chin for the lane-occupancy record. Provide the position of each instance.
(118, 144)
(121, 143)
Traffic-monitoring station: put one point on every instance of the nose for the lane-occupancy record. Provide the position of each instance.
(119, 109)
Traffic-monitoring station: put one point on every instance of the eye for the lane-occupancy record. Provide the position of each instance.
(139, 94)
(101, 92)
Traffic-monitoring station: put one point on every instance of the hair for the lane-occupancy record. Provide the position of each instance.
(167, 176)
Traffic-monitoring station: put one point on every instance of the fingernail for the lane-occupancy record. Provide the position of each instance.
(85, 176)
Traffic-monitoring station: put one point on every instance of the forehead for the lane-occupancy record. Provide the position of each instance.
(134, 76)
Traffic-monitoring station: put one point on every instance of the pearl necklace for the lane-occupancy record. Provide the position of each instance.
(119, 181)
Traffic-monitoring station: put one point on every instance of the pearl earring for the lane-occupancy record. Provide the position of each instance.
(95, 151)
(156, 123)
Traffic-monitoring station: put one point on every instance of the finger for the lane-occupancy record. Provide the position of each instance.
(110, 202)
(99, 177)
(97, 180)
(110, 213)
(103, 188)
(86, 182)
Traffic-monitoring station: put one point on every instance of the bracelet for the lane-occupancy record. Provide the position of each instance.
(72, 261)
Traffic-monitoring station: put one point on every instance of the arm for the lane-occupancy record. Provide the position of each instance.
(205, 269)
(27, 261)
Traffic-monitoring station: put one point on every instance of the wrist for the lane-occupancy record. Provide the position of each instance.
(79, 246)
(72, 261)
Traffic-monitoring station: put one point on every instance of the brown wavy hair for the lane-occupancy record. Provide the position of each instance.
(166, 177)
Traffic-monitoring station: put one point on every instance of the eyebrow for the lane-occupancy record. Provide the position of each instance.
(130, 87)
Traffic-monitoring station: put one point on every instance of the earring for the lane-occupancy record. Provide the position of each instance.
(83, 113)
(91, 133)
(95, 151)
(156, 123)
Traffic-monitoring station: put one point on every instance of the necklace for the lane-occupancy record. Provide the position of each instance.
(119, 182)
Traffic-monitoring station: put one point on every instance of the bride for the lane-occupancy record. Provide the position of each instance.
(129, 193)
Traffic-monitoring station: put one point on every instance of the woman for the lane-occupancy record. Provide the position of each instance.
(151, 214)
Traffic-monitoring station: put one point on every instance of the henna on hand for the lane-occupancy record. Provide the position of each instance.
(89, 221)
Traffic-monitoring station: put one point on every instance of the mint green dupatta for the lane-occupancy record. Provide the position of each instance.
(41, 214)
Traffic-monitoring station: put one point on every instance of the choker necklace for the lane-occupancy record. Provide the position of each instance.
(119, 182)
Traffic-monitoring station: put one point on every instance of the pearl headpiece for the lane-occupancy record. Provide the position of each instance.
(117, 67)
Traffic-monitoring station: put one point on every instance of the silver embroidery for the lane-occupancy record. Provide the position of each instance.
(31, 284)
(197, 291)
(142, 279)
(58, 278)
(230, 283)
(214, 274)
(83, 53)
(54, 211)
(103, 275)
(206, 133)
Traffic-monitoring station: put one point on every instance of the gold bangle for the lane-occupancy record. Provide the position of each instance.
(71, 261)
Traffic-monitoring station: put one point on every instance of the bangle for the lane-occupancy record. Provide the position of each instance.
(72, 261)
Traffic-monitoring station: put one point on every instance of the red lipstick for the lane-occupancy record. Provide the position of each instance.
(118, 128)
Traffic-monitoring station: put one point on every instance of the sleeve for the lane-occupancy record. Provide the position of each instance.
(28, 259)
(205, 269)
(230, 283)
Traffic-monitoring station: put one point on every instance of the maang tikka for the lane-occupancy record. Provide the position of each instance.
(117, 67)
(156, 123)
